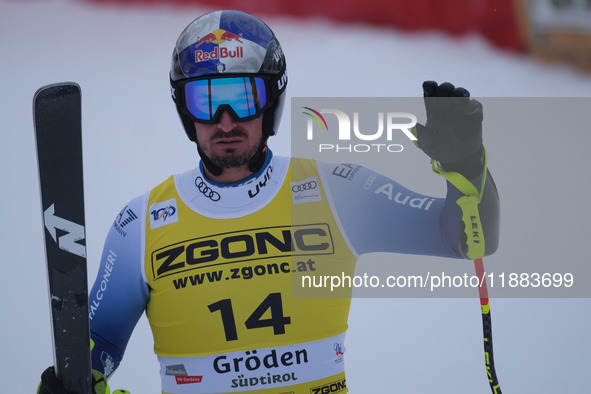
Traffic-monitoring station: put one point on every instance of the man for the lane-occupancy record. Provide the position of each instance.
(210, 254)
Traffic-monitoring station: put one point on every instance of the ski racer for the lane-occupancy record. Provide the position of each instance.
(210, 254)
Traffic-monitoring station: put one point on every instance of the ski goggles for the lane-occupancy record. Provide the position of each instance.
(244, 97)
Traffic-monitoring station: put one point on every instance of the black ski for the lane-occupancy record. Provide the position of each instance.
(57, 118)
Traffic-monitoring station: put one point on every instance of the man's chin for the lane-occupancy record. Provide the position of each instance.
(230, 160)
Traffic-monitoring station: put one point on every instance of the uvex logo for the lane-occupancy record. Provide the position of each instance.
(245, 245)
(281, 82)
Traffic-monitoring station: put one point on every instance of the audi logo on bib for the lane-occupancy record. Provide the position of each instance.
(206, 190)
(300, 187)
(305, 190)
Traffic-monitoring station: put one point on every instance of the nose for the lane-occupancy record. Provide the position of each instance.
(227, 122)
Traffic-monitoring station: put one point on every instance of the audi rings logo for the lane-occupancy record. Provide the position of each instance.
(206, 190)
(300, 187)
(305, 190)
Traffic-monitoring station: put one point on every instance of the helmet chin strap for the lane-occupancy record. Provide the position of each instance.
(258, 159)
(254, 164)
(213, 168)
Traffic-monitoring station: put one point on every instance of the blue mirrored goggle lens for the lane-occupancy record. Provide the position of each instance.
(247, 96)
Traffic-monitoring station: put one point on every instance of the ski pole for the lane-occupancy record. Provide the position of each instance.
(487, 328)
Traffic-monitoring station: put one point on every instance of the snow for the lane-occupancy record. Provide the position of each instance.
(133, 140)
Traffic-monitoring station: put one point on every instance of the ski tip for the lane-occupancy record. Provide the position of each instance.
(52, 93)
(57, 88)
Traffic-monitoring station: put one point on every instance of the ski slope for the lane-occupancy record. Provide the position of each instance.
(133, 140)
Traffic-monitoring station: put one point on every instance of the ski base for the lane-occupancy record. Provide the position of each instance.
(57, 118)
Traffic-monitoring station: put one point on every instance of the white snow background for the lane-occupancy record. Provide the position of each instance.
(133, 139)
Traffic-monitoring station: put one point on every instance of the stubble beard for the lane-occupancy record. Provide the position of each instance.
(231, 159)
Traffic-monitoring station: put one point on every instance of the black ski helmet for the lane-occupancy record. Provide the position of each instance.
(229, 42)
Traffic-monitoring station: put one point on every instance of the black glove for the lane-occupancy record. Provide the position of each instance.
(452, 134)
(51, 385)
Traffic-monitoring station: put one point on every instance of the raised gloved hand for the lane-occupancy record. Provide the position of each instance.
(452, 134)
(50, 384)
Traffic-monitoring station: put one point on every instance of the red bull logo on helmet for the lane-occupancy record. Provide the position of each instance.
(219, 36)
